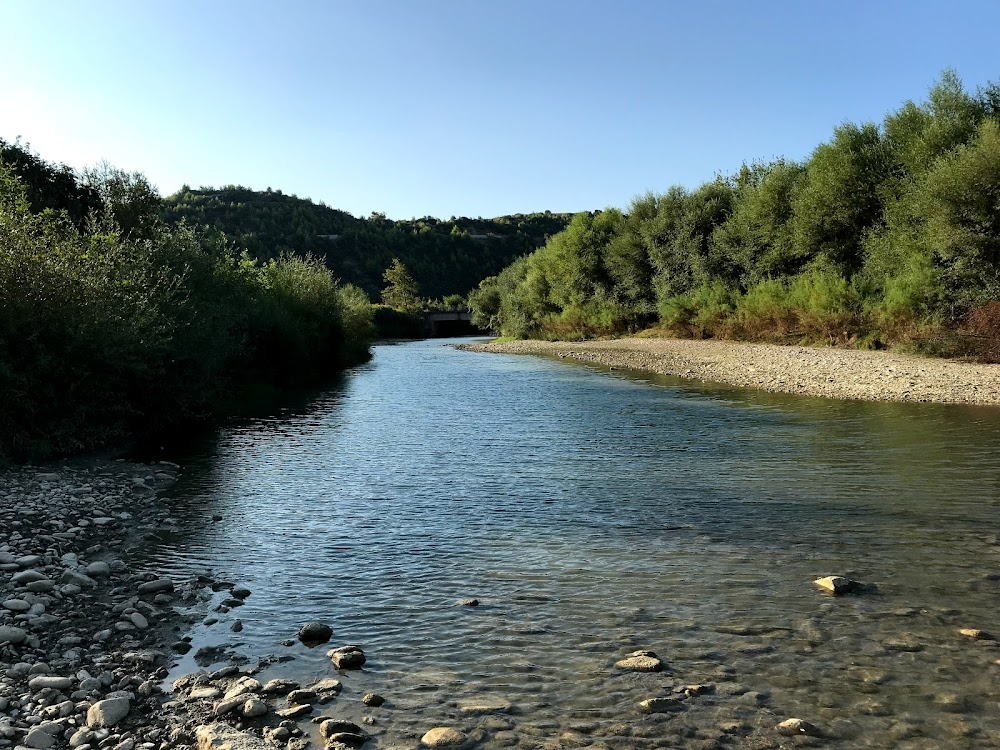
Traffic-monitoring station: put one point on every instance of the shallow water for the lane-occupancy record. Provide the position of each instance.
(594, 514)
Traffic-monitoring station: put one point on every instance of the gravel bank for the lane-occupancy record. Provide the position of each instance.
(83, 635)
(832, 373)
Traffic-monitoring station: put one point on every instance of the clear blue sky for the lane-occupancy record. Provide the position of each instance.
(468, 107)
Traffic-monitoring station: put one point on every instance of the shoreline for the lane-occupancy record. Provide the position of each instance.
(87, 635)
(850, 374)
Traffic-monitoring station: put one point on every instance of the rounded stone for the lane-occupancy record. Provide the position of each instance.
(373, 699)
(442, 737)
(315, 632)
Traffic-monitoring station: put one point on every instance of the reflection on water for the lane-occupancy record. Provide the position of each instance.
(595, 514)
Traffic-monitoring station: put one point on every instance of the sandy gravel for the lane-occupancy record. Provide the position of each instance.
(833, 373)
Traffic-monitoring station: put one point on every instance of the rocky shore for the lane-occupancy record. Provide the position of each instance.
(831, 373)
(83, 632)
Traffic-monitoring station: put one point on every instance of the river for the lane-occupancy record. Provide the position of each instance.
(593, 514)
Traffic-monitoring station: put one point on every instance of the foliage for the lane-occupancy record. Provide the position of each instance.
(402, 292)
(107, 333)
(887, 233)
(445, 257)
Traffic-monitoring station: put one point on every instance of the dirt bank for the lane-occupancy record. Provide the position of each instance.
(832, 373)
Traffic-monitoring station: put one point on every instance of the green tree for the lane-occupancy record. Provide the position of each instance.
(403, 292)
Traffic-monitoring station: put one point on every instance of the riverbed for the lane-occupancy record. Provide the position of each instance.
(593, 514)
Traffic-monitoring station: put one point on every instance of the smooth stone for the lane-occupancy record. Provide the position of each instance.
(38, 739)
(139, 620)
(77, 579)
(979, 635)
(280, 686)
(346, 738)
(27, 576)
(254, 708)
(790, 727)
(315, 632)
(50, 681)
(302, 696)
(659, 705)
(158, 586)
(486, 706)
(244, 684)
(295, 712)
(228, 703)
(240, 592)
(41, 586)
(326, 686)
(443, 737)
(12, 635)
(337, 726)
(16, 605)
(108, 712)
(640, 661)
(347, 657)
(28, 560)
(98, 569)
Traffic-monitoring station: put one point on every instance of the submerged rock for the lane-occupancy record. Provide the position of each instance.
(440, 737)
(791, 727)
(640, 661)
(347, 657)
(659, 705)
(836, 585)
(975, 633)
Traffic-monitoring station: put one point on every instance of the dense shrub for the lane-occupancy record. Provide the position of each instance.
(107, 333)
(887, 234)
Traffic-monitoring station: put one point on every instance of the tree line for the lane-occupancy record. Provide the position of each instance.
(116, 324)
(445, 257)
(888, 233)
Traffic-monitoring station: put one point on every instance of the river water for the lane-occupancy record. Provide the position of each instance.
(593, 514)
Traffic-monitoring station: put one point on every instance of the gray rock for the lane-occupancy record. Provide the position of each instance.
(347, 657)
(27, 576)
(12, 635)
(331, 727)
(50, 681)
(16, 605)
(315, 632)
(40, 586)
(280, 686)
(240, 592)
(81, 736)
(108, 712)
(139, 620)
(28, 560)
(155, 587)
(302, 696)
(469, 603)
(373, 699)
(77, 579)
(39, 739)
(98, 569)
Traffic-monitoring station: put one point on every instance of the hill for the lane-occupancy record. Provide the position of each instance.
(445, 257)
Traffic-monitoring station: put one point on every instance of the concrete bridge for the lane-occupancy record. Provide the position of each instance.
(449, 323)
